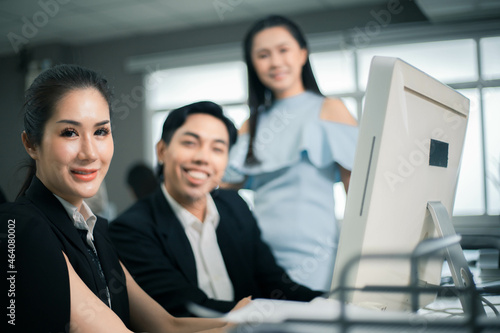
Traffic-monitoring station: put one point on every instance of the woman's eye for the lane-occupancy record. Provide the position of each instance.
(102, 131)
(68, 133)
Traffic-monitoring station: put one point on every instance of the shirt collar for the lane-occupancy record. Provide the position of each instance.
(187, 219)
(78, 217)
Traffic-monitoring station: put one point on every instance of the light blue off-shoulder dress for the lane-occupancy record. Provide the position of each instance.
(293, 184)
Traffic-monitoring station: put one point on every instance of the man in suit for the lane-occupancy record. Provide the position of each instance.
(190, 241)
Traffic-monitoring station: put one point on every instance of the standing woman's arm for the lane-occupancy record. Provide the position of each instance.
(345, 176)
(335, 110)
(239, 184)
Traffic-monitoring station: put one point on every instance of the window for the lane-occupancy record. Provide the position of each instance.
(490, 54)
(344, 74)
(440, 59)
(215, 82)
(469, 199)
(334, 71)
(491, 98)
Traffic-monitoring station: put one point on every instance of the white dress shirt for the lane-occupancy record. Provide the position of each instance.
(211, 271)
(85, 220)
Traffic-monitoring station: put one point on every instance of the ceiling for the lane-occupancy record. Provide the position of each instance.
(77, 22)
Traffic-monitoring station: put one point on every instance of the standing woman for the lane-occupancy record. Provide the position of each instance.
(294, 147)
(63, 274)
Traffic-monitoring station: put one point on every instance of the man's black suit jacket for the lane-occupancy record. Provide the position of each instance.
(154, 247)
(35, 230)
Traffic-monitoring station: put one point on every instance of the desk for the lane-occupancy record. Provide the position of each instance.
(333, 327)
(443, 315)
(426, 320)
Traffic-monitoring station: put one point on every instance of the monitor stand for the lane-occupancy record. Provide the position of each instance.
(454, 255)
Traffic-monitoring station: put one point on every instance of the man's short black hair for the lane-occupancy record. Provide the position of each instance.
(177, 118)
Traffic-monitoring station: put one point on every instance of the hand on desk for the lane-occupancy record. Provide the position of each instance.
(243, 302)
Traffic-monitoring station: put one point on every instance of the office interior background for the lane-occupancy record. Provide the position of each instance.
(162, 54)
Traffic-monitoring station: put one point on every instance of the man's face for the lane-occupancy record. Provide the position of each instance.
(195, 159)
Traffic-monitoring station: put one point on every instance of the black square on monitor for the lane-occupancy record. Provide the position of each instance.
(438, 155)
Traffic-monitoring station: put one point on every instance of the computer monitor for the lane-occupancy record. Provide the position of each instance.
(408, 155)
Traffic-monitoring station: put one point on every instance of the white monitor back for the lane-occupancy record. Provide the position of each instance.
(395, 175)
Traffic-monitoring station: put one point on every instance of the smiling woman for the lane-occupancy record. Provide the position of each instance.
(63, 271)
(278, 60)
(76, 150)
(294, 147)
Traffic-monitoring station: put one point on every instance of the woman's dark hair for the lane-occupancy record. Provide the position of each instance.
(259, 96)
(42, 97)
(177, 118)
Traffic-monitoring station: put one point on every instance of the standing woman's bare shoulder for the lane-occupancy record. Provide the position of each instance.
(245, 128)
(335, 110)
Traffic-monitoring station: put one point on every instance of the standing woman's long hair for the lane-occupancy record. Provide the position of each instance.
(260, 98)
(42, 97)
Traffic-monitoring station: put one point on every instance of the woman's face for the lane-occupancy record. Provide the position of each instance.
(195, 158)
(278, 61)
(76, 147)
